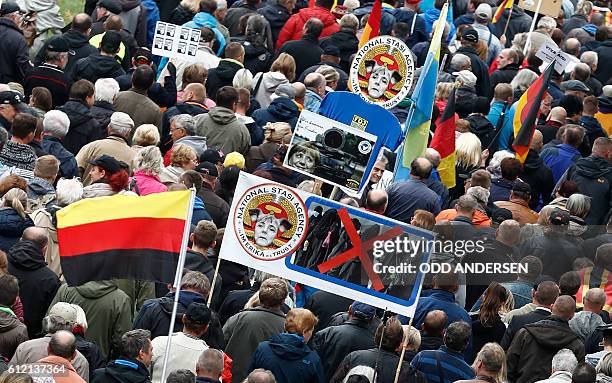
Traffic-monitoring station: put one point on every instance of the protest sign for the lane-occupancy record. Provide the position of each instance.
(331, 151)
(382, 71)
(549, 52)
(549, 7)
(175, 41)
(323, 244)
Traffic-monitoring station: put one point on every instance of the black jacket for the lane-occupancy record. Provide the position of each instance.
(102, 112)
(539, 177)
(530, 355)
(503, 75)
(164, 96)
(83, 127)
(519, 321)
(555, 251)
(465, 97)
(37, 283)
(575, 21)
(233, 275)
(325, 305)
(222, 75)
(257, 58)
(166, 7)
(604, 52)
(51, 77)
(97, 66)
(14, 58)
(305, 51)
(334, 343)
(11, 227)
(480, 69)
(519, 22)
(68, 166)
(277, 16)
(180, 15)
(77, 42)
(91, 352)
(347, 42)
(199, 262)
(118, 371)
(215, 205)
(481, 127)
(386, 361)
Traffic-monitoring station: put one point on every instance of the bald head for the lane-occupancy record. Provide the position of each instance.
(260, 375)
(195, 92)
(62, 344)
(594, 300)
(557, 114)
(433, 156)
(546, 294)
(572, 46)
(300, 91)
(538, 141)
(434, 322)
(564, 307)
(81, 23)
(420, 168)
(509, 232)
(377, 200)
(38, 235)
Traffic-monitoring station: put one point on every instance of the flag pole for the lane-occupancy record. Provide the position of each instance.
(178, 277)
(533, 24)
(214, 280)
(508, 21)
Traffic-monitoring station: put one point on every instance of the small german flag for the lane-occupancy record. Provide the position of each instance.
(507, 4)
(444, 142)
(526, 113)
(122, 237)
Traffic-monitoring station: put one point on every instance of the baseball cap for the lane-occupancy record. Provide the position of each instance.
(211, 155)
(207, 169)
(470, 35)
(283, 90)
(198, 313)
(9, 97)
(108, 163)
(559, 217)
(574, 85)
(110, 42)
(234, 159)
(9, 7)
(466, 77)
(66, 311)
(143, 56)
(484, 11)
(362, 310)
(331, 50)
(59, 44)
(113, 6)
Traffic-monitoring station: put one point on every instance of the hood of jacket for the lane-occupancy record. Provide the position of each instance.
(288, 346)
(605, 104)
(193, 141)
(198, 204)
(551, 333)
(320, 13)
(76, 39)
(271, 80)
(533, 161)
(221, 115)
(431, 15)
(6, 23)
(593, 167)
(185, 299)
(479, 125)
(283, 109)
(37, 186)
(252, 51)
(8, 322)
(585, 322)
(77, 112)
(227, 68)
(96, 289)
(126, 5)
(26, 255)
(127, 374)
(103, 66)
(204, 19)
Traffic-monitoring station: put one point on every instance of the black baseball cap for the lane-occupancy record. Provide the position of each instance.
(207, 169)
(143, 54)
(59, 44)
(212, 155)
(521, 187)
(559, 217)
(9, 7)
(331, 50)
(108, 163)
(470, 35)
(110, 42)
(113, 6)
(9, 97)
(198, 313)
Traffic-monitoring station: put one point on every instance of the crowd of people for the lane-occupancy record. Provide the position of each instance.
(86, 111)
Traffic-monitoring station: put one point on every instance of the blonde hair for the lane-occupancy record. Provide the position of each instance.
(149, 160)
(285, 64)
(468, 151)
(298, 321)
(192, 5)
(17, 200)
(3, 263)
(146, 135)
(545, 215)
(46, 167)
(181, 155)
(443, 90)
(276, 131)
(412, 337)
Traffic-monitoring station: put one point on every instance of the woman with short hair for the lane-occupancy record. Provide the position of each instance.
(183, 158)
(149, 165)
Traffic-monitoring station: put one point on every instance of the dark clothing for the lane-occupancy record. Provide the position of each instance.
(277, 16)
(122, 371)
(500, 189)
(407, 196)
(465, 98)
(305, 51)
(347, 42)
(281, 109)
(519, 22)
(180, 15)
(429, 342)
(549, 130)
(83, 127)
(531, 352)
(164, 96)
(503, 75)
(386, 363)
(519, 321)
(539, 177)
(102, 112)
(221, 76)
(333, 344)
(575, 21)
(77, 42)
(14, 59)
(604, 53)
(556, 253)
(97, 66)
(483, 333)
(235, 300)
(166, 7)
(51, 77)
(257, 58)
(200, 262)
(325, 305)
(415, 23)
(342, 83)
(91, 352)
(436, 299)
(233, 276)
(480, 70)
(593, 128)
(289, 359)
(232, 18)
(442, 365)
(481, 127)
(215, 205)
(12, 226)
(68, 166)
(37, 283)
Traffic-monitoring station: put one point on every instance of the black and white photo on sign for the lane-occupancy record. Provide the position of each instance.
(193, 50)
(170, 30)
(160, 29)
(159, 43)
(184, 33)
(195, 36)
(330, 151)
(182, 48)
(168, 44)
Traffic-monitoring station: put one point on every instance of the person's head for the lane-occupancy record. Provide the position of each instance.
(259, 375)
(420, 168)
(584, 8)
(377, 200)
(573, 135)
(594, 300)
(547, 25)
(423, 219)
(573, 107)
(301, 322)
(533, 267)
(288, 4)
(47, 168)
(523, 79)
(466, 206)
(149, 160)
(228, 97)
(457, 336)
(304, 156)
(521, 190)
(143, 77)
(572, 47)
(511, 168)
(509, 232)
(68, 191)
(581, 73)
(602, 148)
(136, 344)
(503, 92)
(494, 298)
(121, 124)
(590, 106)
(16, 199)
(272, 293)
(82, 23)
(316, 83)
(109, 170)
(412, 338)
(56, 124)
(285, 64)
(480, 194)
(184, 157)
(182, 125)
(62, 344)
(196, 319)
(196, 282)
(24, 126)
(537, 142)
(447, 281)
(194, 92)
(491, 361)
(434, 323)
(110, 44)
(9, 289)
(300, 92)
(584, 373)
(106, 89)
(41, 99)
(113, 23)
(146, 135)
(578, 205)
(234, 51)
(83, 90)
(181, 376)
(276, 131)
(389, 335)
(564, 307)
(210, 364)
(605, 365)
(243, 79)
(564, 360)
(506, 57)
(194, 74)
(467, 148)
(204, 236)
(331, 76)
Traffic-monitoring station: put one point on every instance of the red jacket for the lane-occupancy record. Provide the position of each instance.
(294, 27)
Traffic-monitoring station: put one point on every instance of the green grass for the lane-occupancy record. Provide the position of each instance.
(70, 8)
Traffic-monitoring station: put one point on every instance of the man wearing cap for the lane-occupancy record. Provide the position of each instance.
(335, 342)
(281, 109)
(14, 59)
(604, 115)
(11, 103)
(575, 88)
(469, 40)
(186, 344)
(518, 204)
(215, 205)
(213, 156)
(482, 19)
(331, 57)
(115, 145)
(103, 64)
(50, 74)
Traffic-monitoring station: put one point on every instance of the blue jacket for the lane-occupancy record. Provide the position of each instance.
(205, 19)
(504, 141)
(289, 359)
(500, 189)
(281, 109)
(199, 212)
(11, 227)
(433, 14)
(559, 158)
(439, 300)
(68, 166)
(312, 101)
(454, 365)
(152, 18)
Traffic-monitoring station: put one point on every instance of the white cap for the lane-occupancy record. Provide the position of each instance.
(484, 11)
(121, 120)
(466, 77)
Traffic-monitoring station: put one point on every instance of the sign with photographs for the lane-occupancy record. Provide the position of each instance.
(382, 71)
(175, 41)
(328, 150)
(326, 245)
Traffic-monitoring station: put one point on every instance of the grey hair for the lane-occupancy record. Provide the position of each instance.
(596, 296)
(56, 123)
(149, 160)
(54, 323)
(495, 163)
(132, 342)
(260, 276)
(3, 137)
(195, 280)
(221, 4)
(523, 79)
(55, 56)
(584, 8)
(181, 376)
(106, 89)
(564, 360)
(349, 21)
(481, 194)
(68, 191)
(578, 205)
(605, 365)
(243, 79)
(211, 361)
(459, 60)
(547, 22)
(185, 121)
(259, 375)
(589, 58)
(412, 336)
